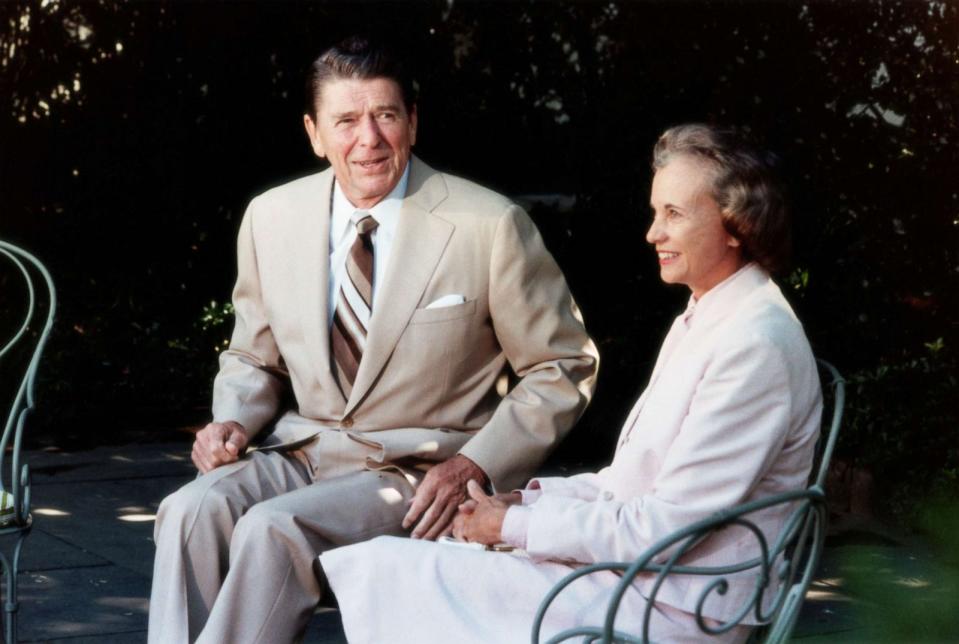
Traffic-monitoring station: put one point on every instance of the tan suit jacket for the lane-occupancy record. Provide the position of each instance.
(427, 382)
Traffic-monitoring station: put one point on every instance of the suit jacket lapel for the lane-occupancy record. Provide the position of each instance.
(314, 278)
(421, 238)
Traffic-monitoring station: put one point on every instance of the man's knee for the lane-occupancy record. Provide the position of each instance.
(261, 518)
(263, 522)
(180, 510)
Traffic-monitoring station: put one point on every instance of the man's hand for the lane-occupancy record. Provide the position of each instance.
(218, 444)
(480, 519)
(437, 497)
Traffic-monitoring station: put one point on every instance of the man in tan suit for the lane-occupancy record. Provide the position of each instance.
(392, 300)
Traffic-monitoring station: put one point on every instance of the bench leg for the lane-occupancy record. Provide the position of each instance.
(11, 567)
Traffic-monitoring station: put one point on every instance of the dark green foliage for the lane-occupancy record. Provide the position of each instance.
(909, 599)
(901, 423)
(134, 134)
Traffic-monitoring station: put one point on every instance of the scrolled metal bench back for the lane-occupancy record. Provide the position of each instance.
(25, 345)
(791, 559)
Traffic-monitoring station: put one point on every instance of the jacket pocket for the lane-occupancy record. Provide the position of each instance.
(444, 313)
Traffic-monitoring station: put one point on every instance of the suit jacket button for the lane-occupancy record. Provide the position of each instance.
(346, 422)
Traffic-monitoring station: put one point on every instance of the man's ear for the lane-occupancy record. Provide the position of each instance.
(413, 121)
(311, 132)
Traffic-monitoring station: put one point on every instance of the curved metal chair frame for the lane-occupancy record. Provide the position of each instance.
(792, 558)
(15, 483)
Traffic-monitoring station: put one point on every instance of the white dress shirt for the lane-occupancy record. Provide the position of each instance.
(343, 234)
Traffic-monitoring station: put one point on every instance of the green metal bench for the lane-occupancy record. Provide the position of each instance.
(19, 360)
(792, 557)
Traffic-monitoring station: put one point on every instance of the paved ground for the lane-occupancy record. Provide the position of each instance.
(88, 562)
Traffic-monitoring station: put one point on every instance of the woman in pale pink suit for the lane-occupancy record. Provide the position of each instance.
(731, 414)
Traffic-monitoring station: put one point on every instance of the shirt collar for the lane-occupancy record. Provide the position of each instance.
(386, 212)
(723, 297)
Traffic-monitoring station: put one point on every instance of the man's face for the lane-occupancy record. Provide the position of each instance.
(364, 130)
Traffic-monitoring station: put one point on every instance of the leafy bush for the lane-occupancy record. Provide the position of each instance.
(900, 424)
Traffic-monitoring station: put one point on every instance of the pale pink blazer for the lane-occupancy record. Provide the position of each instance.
(731, 414)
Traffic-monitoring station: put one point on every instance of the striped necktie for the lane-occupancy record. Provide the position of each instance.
(354, 304)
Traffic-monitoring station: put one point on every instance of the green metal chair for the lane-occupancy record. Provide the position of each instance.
(792, 557)
(23, 348)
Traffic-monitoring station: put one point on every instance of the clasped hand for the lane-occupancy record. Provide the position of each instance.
(218, 444)
(480, 518)
(442, 490)
(449, 489)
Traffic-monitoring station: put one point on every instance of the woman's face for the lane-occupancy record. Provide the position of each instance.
(687, 230)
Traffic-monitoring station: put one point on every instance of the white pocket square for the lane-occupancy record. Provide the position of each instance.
(446, 300)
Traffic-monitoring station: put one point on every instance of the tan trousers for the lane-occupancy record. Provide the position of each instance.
(237, 548)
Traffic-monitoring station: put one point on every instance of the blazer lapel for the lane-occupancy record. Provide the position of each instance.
(674, 337)
(421, 238)
(314, 278)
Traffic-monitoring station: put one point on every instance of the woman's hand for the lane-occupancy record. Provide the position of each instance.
(480, 518)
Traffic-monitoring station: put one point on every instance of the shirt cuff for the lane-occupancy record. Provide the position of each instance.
(529, 496)
(515, 526)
